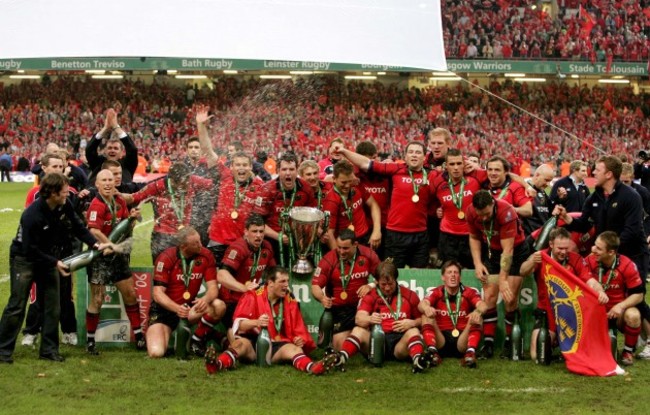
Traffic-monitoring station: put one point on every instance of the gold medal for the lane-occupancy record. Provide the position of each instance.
(344, 295)
(180, 227)
(455, 333)
(234, 214)
(415, 198)
(187, 295)
(461, 215)
(351, 227)
(277, 338)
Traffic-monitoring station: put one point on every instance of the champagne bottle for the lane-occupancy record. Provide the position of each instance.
(543, 341)
(263, 348)
(83, 259)
(80, 260)
(183, 334)
(325, 329)
(121, 230)
(517, 340)
(377, 340)
(542, 239)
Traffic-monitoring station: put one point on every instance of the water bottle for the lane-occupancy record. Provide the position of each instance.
(325, 329)
(183, 335)
(377, 340)
(263, 348)
(543, 341)
(542, 239)
(517, 340)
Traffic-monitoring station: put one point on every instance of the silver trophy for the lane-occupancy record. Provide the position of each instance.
(304, 223)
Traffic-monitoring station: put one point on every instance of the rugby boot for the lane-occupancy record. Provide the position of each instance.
(212, 363)
(324, 365)
(627, 358)
(469, 360)
(486, 351)
(91, 348)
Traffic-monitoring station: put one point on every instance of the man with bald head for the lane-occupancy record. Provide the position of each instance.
(542, 205)
(105, 212)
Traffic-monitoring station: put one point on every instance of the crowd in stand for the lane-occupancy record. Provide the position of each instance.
(514, 30)
(305, 116)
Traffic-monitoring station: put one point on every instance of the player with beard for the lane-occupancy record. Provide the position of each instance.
(406, 237)
(240, 271)
(270, 307)
(453, 192)
(275, 201)
(451, 318)
(105, 212)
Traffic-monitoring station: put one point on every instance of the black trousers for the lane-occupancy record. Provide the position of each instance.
(34, 320)
(22, 274)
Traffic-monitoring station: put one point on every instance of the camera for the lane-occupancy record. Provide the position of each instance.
(644, 155)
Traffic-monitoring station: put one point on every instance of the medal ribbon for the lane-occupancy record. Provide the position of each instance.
(179, 212)
(111, 208)
(453, 315)
(345, 278)
(239, 196)
(457, 198)
(256, 259)
(399, 302)
(344, 199)
(489, 233)
(187, 272)
(425, 180)
(283, 223)
(278, 318)
(612, 273)
(503, 191)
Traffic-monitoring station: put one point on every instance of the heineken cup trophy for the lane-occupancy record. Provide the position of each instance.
(304, 223)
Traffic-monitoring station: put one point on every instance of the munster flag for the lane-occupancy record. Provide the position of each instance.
(581, 322)
(587, 22)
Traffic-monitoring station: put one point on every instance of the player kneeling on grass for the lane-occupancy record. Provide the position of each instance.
(396, 308)
(452, 316)
(178, 275)
(273, 308)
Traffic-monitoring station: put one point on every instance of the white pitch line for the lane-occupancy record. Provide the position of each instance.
(4, 278)
(503, 390)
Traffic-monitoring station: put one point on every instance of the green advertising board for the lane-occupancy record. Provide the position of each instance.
(220, 64)
(114, 325)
